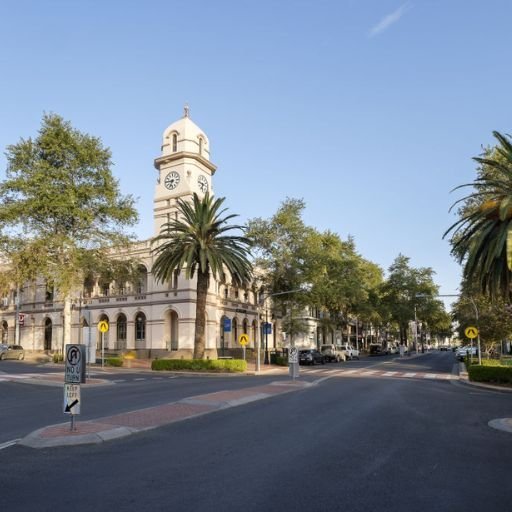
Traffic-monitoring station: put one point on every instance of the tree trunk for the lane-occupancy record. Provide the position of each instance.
(202, 292)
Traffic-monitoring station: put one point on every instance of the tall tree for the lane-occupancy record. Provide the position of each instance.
(61, 210)
(197, 243)
(482, 236)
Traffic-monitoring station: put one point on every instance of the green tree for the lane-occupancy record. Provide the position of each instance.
(481, 238)
(400, 293)
(197, 243)
(61, 211)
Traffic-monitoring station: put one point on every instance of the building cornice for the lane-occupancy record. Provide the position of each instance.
(184, 154)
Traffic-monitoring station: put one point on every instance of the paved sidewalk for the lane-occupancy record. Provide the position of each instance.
(121, 425)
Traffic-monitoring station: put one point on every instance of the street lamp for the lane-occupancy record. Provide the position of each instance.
(262, 300)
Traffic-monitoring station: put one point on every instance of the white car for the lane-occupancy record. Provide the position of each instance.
(350, 351)
(462, 352)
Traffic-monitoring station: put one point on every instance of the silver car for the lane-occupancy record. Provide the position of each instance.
(12, 352)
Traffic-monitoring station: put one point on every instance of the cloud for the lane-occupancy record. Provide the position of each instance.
(389, 20)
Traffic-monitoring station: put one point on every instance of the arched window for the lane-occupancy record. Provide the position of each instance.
(245, 326)
(5, 332)
(234, 329)
(140, 327)
(121, 328)
(174, 142)
(88, 285)
(200, 145)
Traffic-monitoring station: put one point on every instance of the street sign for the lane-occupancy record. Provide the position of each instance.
(471, 332)
(243, 339)
(103, 326)
(267, 328)
(227, 325)
(75, 364)
(21, 319)
(293, 355)
(72, 399)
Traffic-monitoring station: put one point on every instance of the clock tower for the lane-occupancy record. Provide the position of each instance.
(183, 168)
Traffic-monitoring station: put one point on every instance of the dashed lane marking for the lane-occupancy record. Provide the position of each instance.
(409, 374)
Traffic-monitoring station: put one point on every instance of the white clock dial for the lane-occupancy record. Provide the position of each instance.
(172, 180)
(203, 184)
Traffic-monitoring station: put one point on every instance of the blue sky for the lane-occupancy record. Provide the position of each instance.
(369, 110)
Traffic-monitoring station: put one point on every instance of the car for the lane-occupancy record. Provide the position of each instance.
(393, 349)
(12, 352)
(444, 348)
(376, 349)
(311, 356)
(462, 352)
(333, 353)
(350, 351)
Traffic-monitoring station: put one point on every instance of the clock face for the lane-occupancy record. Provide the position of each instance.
(172, 180)
(203, 184)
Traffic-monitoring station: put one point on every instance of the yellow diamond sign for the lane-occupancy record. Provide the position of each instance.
(471, 332)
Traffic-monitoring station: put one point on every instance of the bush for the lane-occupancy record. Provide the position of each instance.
(58, 357)
(114, 361)
(492, 374)
(281, 361)
(200, 365)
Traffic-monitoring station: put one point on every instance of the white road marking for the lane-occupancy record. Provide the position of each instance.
(388, 374)
(8, 443)
(430, 376)
(409, 374)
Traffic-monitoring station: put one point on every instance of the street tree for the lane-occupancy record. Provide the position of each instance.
(197, 242)
(61, 210)
(481, 238)
(400, 293)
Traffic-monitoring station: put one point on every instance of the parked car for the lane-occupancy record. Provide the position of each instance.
(444, 348)
(311, 356)
(393, 349)
(350, 351)
(376, 349)
(462, 352)
(333, 353)
(12, 352)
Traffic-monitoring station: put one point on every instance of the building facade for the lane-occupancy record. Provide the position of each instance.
(148, 317)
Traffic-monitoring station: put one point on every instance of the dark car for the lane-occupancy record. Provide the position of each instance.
(378, 350)
(311, 356)
(12, 352)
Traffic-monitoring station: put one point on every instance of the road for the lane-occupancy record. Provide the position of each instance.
(356, 441)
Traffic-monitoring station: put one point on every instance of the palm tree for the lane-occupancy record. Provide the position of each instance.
(482, 237)
(196, 242)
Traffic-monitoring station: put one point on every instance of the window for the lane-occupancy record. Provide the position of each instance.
(121, 328)
(140, 327)
(175, 279)
(200, 145)
(174, 143)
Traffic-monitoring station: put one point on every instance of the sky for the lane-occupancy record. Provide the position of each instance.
(369, 110)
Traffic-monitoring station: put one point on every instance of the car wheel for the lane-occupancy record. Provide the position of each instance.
(2, 357)
(21, 357)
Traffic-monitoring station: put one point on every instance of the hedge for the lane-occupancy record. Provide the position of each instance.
(493, 374)
(114, 361)
(200, 365)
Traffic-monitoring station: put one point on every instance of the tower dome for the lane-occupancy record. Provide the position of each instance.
(184, 136)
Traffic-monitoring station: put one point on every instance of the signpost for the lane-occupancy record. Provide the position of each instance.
(74, 375)
(243, 340)
(21, 319)
(293, 362)
(471, 332)
(103, 328)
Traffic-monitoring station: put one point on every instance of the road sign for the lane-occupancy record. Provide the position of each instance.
(293, 355)
(75, 364)
(243, 339)
(72, 399)
(21, 319)
(227, 325)
(267, 328)
(103, 326)
(471, 332)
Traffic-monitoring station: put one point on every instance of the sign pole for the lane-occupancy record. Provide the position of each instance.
(102, 349)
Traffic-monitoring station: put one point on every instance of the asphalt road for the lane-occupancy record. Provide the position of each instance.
(350, 443)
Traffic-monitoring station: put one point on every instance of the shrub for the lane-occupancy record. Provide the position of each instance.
(114, 361)
(200, 365)
(58, 357)
(493, 374)
(281, 361)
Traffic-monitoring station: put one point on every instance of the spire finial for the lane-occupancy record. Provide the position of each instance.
(186, 110)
